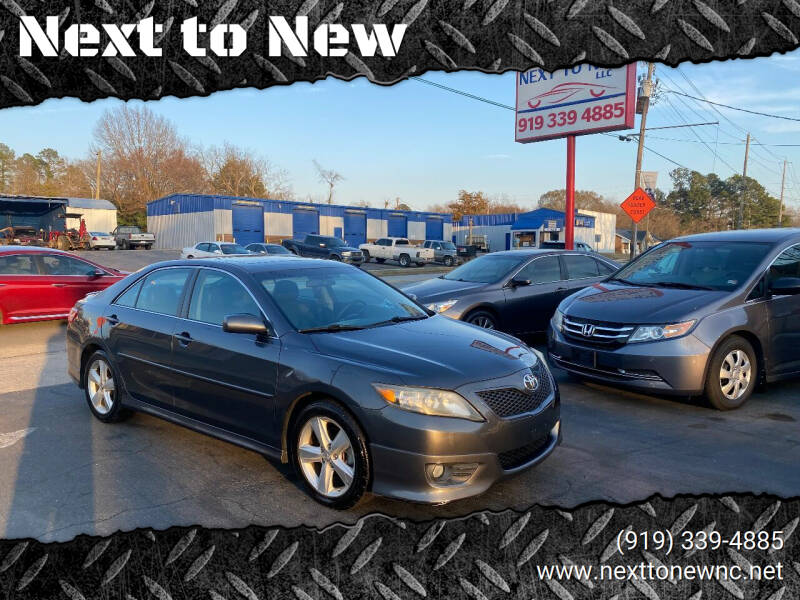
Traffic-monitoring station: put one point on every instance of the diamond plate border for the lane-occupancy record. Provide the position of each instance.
(483, 556)
(492, 36)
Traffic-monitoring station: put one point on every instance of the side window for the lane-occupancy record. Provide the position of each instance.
(605, 269)
(56, 264)
(217, 295)
(401, 243)
(786, 265)
(162, 291)
(759, 290)
(129, 296)
(580, 267)
(382, 242)
(542, 270)
(213, 247)
(202, 247)
(19, 264)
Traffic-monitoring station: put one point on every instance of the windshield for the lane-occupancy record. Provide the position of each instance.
(277, 250)
(486, 269)
(333, 298)
(233, 249)
(721, 266)
(448, 246)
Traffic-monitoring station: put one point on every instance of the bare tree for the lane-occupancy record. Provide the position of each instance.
(328, 176)
(238, 172)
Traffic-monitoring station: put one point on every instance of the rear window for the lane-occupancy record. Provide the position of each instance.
(401, 243)
(580, 267)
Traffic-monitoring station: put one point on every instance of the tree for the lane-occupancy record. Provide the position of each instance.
(237, 172)
(143, 158)
(328, 176)
(584, 199)
(468, 203)
(7, 157)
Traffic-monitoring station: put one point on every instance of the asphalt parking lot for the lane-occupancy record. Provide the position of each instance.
(62, 473)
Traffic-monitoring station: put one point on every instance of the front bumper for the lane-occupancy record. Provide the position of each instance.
(675, 366)
(491, 450)
(353, 260)
(104, 244)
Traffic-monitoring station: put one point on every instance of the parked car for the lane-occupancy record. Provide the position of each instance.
(322, 365)
(40, 284)
(214, 250)
(324, 246)
(130, 236)
(100, 240)
(711, 314)
(268, 249)
(580, 246)
(443, 252)
(516, 291)
(397, 249)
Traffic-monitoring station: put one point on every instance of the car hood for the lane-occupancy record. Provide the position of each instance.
(607, 301)
(434, 352)
(346, 249)
(437, 289)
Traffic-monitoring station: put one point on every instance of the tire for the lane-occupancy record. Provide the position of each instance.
(448, 261)
(335, 257)
(482, 318)
(105, 404)
(190, 257)
(357, 463)
(366, 256)
(148, 247)
(420, 264)
(404, 260)
(736, 356)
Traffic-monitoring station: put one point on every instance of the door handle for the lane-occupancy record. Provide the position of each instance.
(184, 339)
(112, 320)
(59, 284)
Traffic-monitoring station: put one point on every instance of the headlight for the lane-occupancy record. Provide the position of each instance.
(558, 321)
(346, 253)
(427, 401)
(440, 307)
(653, 333)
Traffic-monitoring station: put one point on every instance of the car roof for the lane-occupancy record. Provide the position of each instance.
(30, 249)
(534, 252)
(255, 264)
(771, 236)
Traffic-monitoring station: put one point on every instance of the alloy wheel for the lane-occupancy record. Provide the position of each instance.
(735, 374)
(325, 455)
(101, 386)
(482, 321)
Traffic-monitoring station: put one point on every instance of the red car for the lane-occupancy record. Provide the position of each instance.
(40, 284)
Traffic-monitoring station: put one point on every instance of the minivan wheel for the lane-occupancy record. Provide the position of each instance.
(101, 388)
(732, 374)
(482, 318)
(329, 453)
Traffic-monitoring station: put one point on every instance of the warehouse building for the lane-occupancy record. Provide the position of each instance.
(530, 229)
(181, 220)
(53, 213)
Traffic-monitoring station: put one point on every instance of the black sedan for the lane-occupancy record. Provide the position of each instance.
(268, 249)
(516, 291)
(322, 365)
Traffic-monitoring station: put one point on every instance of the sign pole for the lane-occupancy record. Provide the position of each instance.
(569, 212)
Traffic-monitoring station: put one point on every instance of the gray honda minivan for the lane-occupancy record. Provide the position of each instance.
(712, 314)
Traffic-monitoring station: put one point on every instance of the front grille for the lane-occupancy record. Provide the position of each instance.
(508, 402)
(522, 455)
(596, 333)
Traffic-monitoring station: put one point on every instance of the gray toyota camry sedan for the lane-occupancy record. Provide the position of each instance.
(322, 365)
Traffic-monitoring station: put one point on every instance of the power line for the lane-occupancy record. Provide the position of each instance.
(463, 93)
(746, 110)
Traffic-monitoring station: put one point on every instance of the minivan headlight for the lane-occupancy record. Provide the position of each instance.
(428, 401)
(440, 307)
(653, 333)
(558, 321)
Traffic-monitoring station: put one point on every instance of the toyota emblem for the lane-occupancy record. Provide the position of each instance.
(530, 382)
(588, 330)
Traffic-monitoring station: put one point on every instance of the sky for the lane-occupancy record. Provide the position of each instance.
(423, 144)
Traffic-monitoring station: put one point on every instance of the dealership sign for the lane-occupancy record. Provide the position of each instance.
(574, 101)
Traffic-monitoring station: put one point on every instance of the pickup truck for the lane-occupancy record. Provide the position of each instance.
(130, 236)
(323, 246)
(443, 252)
(397, 249)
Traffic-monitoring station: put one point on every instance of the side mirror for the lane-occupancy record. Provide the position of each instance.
(788, 286)
(520, 282)
(245, 323)
(96, 273)
(322, 244)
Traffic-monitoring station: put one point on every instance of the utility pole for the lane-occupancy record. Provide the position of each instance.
(783, 183)
(646, 88)
(97, 181)
(744, 182)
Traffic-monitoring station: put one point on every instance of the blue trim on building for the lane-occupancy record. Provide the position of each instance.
(193, 203)
(532, 220)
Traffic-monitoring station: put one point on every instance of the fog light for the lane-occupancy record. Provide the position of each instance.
(437, 471)
(450, 474)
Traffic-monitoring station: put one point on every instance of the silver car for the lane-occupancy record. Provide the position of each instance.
(443, 252)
